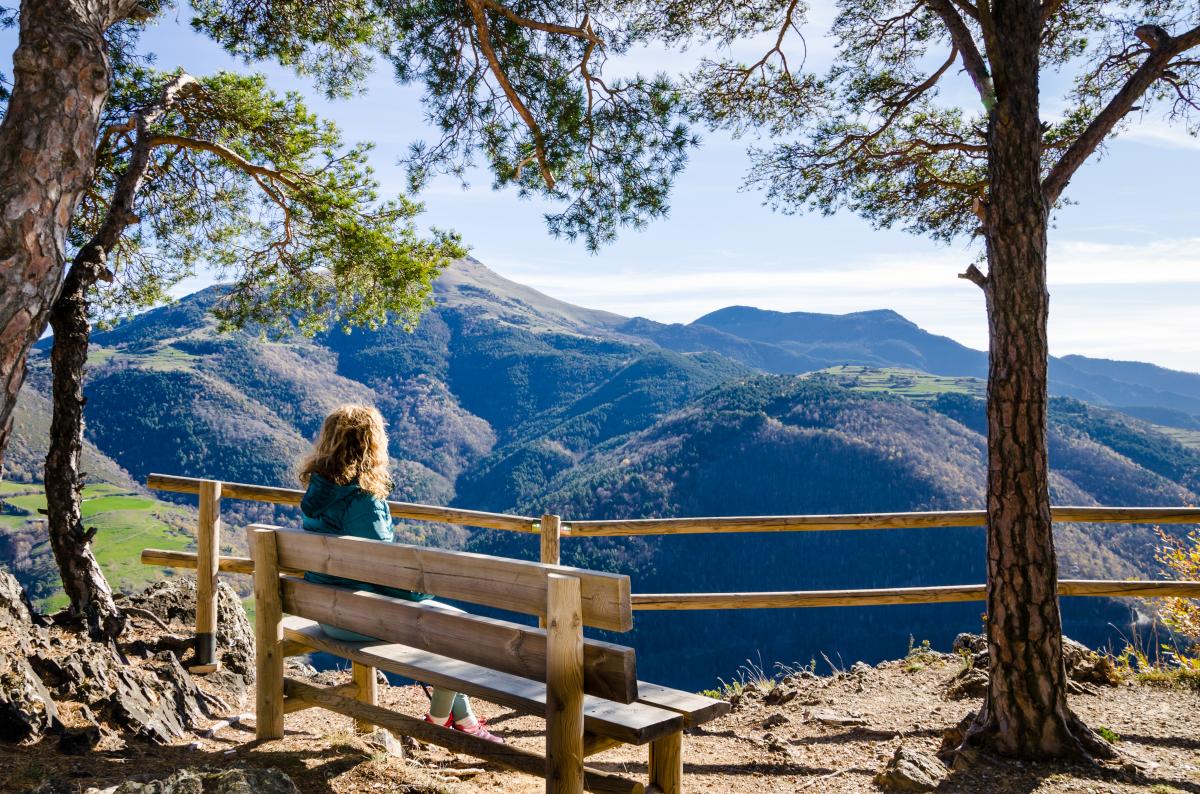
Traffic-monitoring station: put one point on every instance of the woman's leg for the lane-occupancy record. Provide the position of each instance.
(460, 704)
(441, 705)
(461, 708)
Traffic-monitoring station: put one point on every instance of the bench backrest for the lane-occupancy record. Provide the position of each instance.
(498, 582)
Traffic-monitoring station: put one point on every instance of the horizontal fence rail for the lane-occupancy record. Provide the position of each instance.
(208, 563)
(292, 496)
(944, 594)
(812, 523)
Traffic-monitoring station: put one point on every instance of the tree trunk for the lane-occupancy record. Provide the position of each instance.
(47, 151)
(83, 581)
(1025, 713)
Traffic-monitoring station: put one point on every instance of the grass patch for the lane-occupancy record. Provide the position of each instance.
(29, 502)
(14, 488)
(920, 656)
(1108, 735)
(1182, 677)
(125, 524)
(913, 385)
(108, 504)
(752, 675)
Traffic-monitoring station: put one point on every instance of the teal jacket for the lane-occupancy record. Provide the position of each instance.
(349, 510)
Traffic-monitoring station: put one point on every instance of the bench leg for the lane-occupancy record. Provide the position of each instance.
(564, 686)
(367, 692)
(268, 636)
(666, 763)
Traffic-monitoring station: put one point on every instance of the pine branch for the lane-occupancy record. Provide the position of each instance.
(1163, 48)
(974, 275)
(965, 43)
(514, 99)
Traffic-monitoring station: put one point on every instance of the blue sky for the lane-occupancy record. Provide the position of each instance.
(1124, 260)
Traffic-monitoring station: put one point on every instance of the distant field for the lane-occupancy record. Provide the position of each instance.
(126, 523)
(1189, 438)
(916, 386)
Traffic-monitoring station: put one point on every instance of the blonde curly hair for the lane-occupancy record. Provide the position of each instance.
(352, 446)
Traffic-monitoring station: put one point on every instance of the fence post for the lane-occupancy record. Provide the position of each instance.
(564, 686)
(551, 534)
(208, 558)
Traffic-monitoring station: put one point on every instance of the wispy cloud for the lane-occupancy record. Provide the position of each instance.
(1161, 134)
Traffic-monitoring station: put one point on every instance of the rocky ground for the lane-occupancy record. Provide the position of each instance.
(807, 733)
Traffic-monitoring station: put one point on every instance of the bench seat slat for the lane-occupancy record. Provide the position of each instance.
(635, 723)
(514, 585)
(695, 709)
(609, 671)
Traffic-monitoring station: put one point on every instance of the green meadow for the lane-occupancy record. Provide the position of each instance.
(916, 386)
(126, 522)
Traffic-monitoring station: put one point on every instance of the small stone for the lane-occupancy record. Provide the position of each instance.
(833, 718)
(463, 774)
(776, 746)
(859, 668)
(77, 741)
(775, 720)
(971, 644)
(780, 695)
(301, 668)
(912, 770)
(233, 781)
(382, 741)
(970, 683)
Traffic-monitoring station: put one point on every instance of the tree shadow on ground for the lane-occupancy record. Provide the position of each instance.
(23, 768)
(1011, 777)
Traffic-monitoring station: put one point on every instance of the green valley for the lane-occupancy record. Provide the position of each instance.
(506, 399)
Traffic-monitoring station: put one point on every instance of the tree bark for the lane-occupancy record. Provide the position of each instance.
(1025, 713)
(47, 149)
(83, 581)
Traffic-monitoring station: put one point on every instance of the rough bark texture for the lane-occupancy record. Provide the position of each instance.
(47, 149)
(1025, 712)
(83, 581)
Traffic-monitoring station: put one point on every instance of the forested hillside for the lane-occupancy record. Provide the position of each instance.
(505, 399)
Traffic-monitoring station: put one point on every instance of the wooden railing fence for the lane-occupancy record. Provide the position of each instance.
(208, 562)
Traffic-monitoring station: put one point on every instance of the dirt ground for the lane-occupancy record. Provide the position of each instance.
(834, 736)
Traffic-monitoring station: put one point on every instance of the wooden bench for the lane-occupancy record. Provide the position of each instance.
(587, 689)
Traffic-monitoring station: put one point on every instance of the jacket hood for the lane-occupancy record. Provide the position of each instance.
(323, 494)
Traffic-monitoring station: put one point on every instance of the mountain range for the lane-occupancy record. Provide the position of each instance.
(504, 399)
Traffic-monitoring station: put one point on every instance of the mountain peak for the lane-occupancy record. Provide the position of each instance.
(468, 281)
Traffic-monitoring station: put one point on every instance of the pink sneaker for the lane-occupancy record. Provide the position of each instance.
(449, 723)
(476, 728)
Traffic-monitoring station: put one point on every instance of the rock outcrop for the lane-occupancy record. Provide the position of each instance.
(912, 770)
(174, 601)
(188, 781)
(1085, 668)
(154, 699)
(27, 709)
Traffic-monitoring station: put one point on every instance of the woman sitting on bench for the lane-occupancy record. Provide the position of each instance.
(347, 481)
